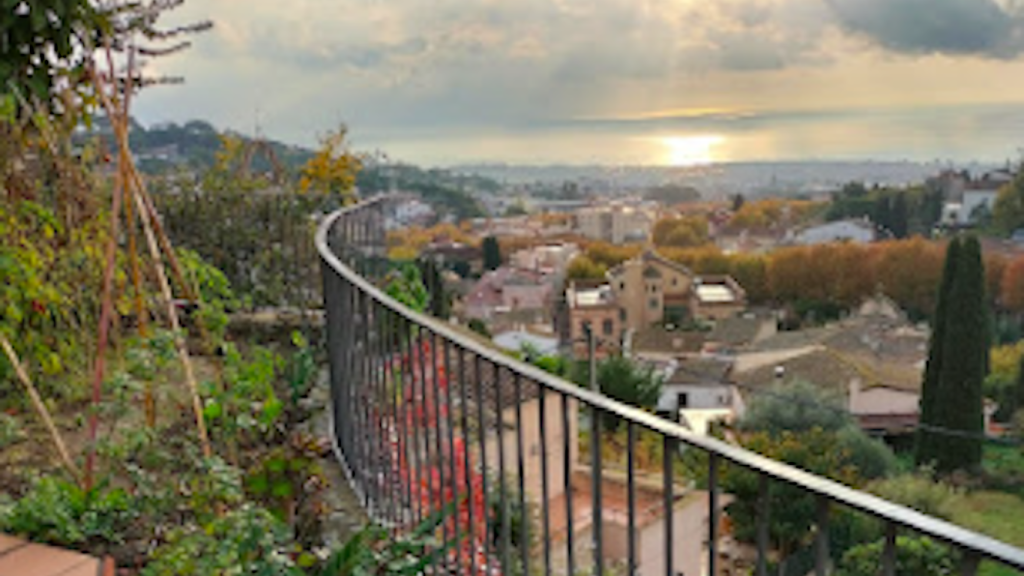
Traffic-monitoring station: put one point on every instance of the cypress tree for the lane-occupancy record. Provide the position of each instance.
(491, 253)
(928, 443)
(954, 402)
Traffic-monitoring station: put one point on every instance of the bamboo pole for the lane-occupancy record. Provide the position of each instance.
(119, 123)
(37, 403)
(106, 311)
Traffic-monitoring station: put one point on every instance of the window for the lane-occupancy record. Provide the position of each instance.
(653, 303)
(622, 285)
(585, 326)
(682, 400)
(607, 327)
(622, 315)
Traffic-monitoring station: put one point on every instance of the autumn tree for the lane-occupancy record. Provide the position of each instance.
(681, 232)
(1013, 286)
(333, 168)
(583, 268)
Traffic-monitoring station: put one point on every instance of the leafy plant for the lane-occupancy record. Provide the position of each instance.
(915, 556)
(60, 512)
(370, 552)
(10, 430)
(247, 540)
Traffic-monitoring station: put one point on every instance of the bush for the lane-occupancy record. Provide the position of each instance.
(59, 512)
(915, 556)
(246, 540)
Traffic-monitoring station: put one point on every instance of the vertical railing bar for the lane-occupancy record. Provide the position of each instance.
(763, 519)
(821, 545)
(366, 395)
(596, 481)
(453, 473)
(969, 563)
(387, 373)
(506, 520)
(373, 405)
(431, 495)
(712, 513)
(409, 390)
(668, 448)
(439, 442)
(405, 462)
(631, 497)
(485, 497)
(524, 541)
(468, 471)
(380, 400)
(567, 465)
(889, 553)
(356, 384)
(544, 497)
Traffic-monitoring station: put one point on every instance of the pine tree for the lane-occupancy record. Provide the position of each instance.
(951, 397)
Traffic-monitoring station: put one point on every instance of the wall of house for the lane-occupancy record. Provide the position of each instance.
(522, 296)
(716, 311)
(554, 435)
(879, 400)
(597, 316)
(689, 527)
(699, 396)
(634, 292)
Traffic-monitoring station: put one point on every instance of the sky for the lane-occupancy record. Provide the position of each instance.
(656, 82)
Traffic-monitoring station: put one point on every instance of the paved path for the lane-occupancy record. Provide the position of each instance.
(21, 558)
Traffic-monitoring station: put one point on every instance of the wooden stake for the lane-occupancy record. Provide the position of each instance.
(40, 407)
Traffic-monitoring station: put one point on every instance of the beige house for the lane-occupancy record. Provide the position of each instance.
(651, 289)
(593, 308)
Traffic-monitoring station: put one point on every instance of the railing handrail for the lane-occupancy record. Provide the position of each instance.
(968, 540)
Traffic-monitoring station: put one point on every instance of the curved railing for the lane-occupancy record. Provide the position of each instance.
(428, 419)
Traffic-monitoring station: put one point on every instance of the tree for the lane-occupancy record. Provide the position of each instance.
(333, 169)
(951, 399)
(900, 222)
(800, 424)
(492, 253)
(583, 268)
(1008, 212)
(622, 379)
(1013, 285)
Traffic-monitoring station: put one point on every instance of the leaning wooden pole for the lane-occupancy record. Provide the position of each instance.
(119, 123)
(106, 311)
(37, 403)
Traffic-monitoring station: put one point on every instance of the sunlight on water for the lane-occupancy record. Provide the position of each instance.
(690, 150)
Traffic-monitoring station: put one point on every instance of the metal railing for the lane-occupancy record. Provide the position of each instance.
(426, 418)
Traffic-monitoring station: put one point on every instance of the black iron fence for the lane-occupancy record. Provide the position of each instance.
(515, 469)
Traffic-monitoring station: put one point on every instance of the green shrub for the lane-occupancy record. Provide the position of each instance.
(59, 512)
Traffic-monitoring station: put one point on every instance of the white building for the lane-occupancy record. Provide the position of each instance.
(858, 231)
(976, 203)
(549, 259)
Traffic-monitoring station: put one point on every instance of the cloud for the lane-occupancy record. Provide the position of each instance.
(976, 27)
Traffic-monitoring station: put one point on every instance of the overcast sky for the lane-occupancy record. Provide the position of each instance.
(611, 81)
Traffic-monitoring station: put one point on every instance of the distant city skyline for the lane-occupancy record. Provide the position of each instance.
(637, 82)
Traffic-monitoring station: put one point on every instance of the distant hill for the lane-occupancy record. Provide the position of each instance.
(192, 146)
(450, 193)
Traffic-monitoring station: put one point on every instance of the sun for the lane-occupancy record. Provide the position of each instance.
(690, 150)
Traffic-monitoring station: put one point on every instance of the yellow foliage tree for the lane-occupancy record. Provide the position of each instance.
(333, 169)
